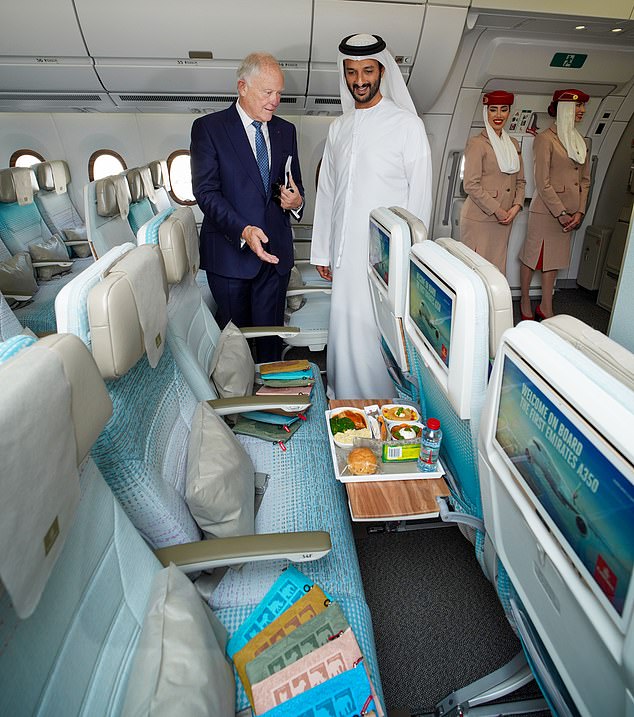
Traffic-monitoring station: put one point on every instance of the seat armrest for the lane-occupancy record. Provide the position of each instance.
(62, 264)
(254, 332)
(309, 289)
(76, 242)
(207, 554)
(242, 404)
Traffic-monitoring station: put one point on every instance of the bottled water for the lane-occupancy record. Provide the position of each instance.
(430, 446)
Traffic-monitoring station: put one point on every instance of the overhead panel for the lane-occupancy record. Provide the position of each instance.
(520, 57)
(43, 50)
(617, 9)
(399, 24)
(194, 46)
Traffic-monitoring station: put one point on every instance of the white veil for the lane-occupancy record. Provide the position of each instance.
(570, 138)
(392, 84)
(507, 157)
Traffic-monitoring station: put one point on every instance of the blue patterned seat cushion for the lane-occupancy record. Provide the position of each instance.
(139, 213)
(142, 451)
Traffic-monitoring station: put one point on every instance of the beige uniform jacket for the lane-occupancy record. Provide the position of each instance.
(560, 184)
(489, 189)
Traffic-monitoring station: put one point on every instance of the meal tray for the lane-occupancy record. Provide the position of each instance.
(387, 471)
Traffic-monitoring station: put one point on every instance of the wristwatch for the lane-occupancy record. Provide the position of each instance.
(562, 214)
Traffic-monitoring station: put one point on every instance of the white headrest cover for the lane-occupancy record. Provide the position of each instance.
(178, 241)
(43, 438)
(17, 184)
(160, 175)
(113, 196)
(127, 312)
(53, 175)
(135, 182)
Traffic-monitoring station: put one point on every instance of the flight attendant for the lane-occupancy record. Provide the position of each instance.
(494, 182)
(562, 180)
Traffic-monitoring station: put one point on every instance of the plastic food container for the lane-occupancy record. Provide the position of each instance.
(359, 429)
(395, 413)
(406, 431)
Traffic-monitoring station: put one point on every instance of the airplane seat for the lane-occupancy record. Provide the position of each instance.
(106, 206)
(142, 453)
(161, 183)
(447, 322)
(392, 232)
(192, 332)
(141, 191)
(148, 234)
(497, 288)
(69, 619)
(56, 207)
(23, 231)
(557, 477)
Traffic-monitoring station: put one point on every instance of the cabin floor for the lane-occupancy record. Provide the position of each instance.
(438, 623)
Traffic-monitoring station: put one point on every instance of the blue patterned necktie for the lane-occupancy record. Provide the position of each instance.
(261, 154)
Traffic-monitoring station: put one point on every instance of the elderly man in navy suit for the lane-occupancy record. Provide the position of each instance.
(247, 182)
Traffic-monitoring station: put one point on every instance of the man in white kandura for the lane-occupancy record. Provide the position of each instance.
(376, 155)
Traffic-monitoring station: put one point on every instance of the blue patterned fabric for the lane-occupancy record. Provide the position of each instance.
(57, 211)
(14, 345)
(139, 213)
(142, 451)
(150, 230)
(21, 225)
(9, 325)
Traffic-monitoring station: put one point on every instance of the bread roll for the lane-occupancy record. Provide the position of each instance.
(361, 461)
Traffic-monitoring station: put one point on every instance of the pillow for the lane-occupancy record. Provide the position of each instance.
(51, 249)
(16, 276)
(295, 282)
(179, 666)
(232, 366)
(78, 234)
(220, 487)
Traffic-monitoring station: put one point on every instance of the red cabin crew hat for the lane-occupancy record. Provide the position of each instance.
(498, 97)
(569, 95)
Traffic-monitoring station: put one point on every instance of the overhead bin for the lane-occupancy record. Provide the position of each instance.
(399, 24)
(168, 47)
(43, 50)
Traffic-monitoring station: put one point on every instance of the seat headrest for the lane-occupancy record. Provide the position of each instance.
(160, 174)
(178, 241)
(604, 351)
(113, 196)
(53, 175)
(141, 185)
(45, 435)
(17, 184)
(127, 312)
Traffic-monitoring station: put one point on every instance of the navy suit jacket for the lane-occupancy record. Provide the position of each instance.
(228, 188)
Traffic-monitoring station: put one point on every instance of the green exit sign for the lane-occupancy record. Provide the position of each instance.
(566, 59)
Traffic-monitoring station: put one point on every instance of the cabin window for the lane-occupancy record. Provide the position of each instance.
(25, 158)
(180, 173)
(105, 163)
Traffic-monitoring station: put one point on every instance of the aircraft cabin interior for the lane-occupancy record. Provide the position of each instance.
(184, 530)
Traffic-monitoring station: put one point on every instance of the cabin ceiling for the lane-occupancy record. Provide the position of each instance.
(159, 56)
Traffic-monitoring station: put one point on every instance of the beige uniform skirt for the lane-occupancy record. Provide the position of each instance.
(489, 239)
(545, 229)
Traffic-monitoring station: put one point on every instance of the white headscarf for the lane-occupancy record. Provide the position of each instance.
(392, 83)
(505, 152)
(570, 138)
